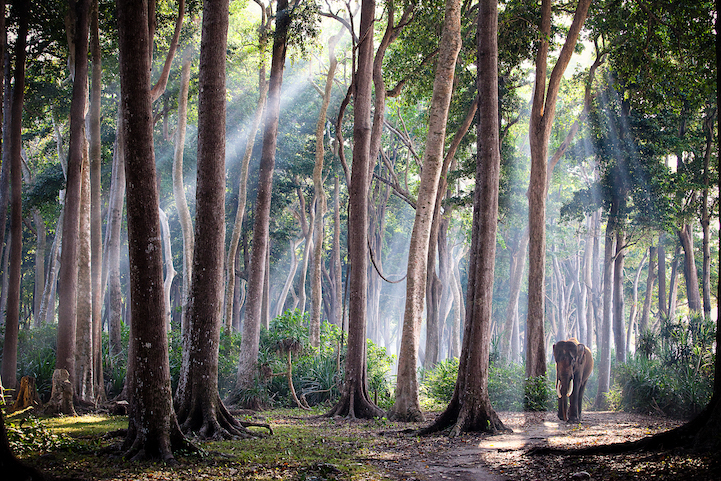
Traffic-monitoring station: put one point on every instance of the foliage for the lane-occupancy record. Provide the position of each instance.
(379, 368)
(537, 393)
(36, 357)
(672, 372)
(30, 435)
(505, 386)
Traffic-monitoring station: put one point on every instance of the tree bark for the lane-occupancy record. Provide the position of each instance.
(619, 332)
(407, 405)
(542, 115)
(470, 408)
(230, 271)
(686, 235)
(84, 374)
(650, 280)
(12, 313)
(256, 278)
(181, 203)
(604, 341)
(319, 197)
(96, 221)
(153, 430)
(198, 403)
(354, 401)
(68, 275)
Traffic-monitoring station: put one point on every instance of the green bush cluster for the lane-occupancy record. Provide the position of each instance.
(30, 435)
(672, 371)
(508, 388)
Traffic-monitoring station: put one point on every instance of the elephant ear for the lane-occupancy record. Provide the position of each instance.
(580, 351)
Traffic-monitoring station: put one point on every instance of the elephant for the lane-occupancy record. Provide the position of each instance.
(574, 365)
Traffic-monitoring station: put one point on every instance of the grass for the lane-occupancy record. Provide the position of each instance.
(301, 448)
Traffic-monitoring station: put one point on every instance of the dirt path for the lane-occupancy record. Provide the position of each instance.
(505, 457)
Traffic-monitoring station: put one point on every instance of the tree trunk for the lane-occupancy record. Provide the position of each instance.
(40, 252)
(650, 280)
(181, 203)
(604, 338)
(12, 313)
(662, 300)
(337, 302)
(319, 197)
(470, 408)
(68, 275)
(230, 275)
(407, 406)
(354, 401)
(517, 266)
(619, 331)
(706, 219)
(169, 269)
(458, 306)
(84, 374)
(96, 220)
(153, 430)
(673, 284)
(113, 242)
(542, 114)
(686, 235)
(633, 315)
(198, 403)
(248, 362)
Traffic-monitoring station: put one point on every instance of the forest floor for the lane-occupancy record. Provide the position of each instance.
(305, 448)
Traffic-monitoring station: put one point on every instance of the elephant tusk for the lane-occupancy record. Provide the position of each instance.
(558, 388)
(570, 388)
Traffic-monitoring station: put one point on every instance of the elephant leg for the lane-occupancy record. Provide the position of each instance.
(581, 390)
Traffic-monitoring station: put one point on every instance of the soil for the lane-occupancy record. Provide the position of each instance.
(509, 456)
(389, 451)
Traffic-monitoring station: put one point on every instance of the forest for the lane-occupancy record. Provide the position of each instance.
(258, 221)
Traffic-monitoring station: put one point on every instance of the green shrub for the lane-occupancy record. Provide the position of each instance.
(538, 394)
(672, 371)
(439, 382)
(30, 435)
(379, 381)
(505, 386)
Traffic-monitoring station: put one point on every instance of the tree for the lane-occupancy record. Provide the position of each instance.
(470, 408)
(247, 364)
(198, 403)
(542, 114)
(407, 406)
(12, 315)
(354, 401)
(153, 430)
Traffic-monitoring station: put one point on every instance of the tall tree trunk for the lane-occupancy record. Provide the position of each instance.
(542, 115)
(354, 401)
(686, 235)
(12, 313)
(518, 264)
(40, 252)
(169, 268)
(153, 430)
(633, 315)
(470, 408)
(319, 197)
(604, 338)
(662, 299)
(84, 374)
(68, 275)
(619, 304)
(407, 406)
(335, 256)
(706, 219)
(673, 284)
(181, 203)
(198, 403)
(96, 221)
(113, 241)
(256, 278)
(650, 280)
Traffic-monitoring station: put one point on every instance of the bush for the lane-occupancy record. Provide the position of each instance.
(538, 393)
(672, 372)
(36, 357)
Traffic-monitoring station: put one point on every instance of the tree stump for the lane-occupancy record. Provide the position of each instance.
(61, 398)
(27, 395)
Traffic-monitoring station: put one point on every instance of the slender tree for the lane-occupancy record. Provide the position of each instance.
(407, 405)
(247, 364)
(153, 430)
(354, 401)
(12, 313)
(198, 403)
(470, 407)
(542, 114)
